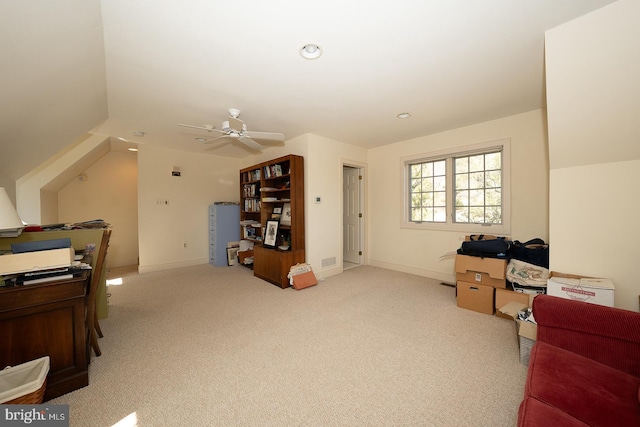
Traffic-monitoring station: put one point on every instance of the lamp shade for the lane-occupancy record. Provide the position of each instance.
(10, 223)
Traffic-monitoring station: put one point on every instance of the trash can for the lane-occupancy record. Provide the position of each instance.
(24, 384)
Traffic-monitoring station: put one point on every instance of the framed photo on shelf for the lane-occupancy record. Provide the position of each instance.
(277, 210)
(232, 255)
(271, 233)
(286, 214)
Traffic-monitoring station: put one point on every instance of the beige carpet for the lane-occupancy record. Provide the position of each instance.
(214, 346)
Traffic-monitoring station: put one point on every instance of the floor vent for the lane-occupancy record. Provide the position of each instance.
(328, 261)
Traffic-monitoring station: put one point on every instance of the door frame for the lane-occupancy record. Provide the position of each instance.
(362, 190)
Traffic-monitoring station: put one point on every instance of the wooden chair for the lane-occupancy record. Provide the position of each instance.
(93, 327)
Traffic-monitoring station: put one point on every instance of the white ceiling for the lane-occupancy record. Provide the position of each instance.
(450, 63)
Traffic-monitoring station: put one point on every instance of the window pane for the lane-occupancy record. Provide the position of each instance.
(416, 200)
(493, 215)
(476, 197)
(462, 181)
(476, 163)
(427, 199)
(476, 214)
(462, 198)
(415, 185)
(493, 197)
(440, 199)
(440, 214)
(439, 183)
(427, 184)
(415, 215)
(440, 168)
(493, 179)
(462, 165)
(493, 161)
(476, 180)
(462, 214)
(427, 169)
(416, 171)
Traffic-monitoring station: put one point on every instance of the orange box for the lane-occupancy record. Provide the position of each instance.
(475, 297)
(483, 271)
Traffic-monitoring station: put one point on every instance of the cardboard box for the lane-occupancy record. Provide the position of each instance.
(475, 297)
(526, 332)
(483, 271)
(304, 280)
(34, 261)
(581, 288)
(505, 296)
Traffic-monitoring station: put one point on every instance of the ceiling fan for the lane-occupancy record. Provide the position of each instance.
(235, 128)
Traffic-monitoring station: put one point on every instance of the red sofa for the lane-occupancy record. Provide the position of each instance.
(584, 369)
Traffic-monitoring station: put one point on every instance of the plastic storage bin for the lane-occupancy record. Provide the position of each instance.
(24, 384)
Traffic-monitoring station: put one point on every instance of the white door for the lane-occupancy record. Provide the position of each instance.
(351, 214)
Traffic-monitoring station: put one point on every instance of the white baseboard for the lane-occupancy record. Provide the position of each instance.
(171, 265)
(443, 277)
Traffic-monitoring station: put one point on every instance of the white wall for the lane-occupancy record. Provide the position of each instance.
(594, 143)
(110, 192)
(324, 219)
(163, 229)
(420, 251)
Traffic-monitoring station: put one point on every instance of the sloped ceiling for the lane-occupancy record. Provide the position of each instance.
(119, 66)
(52, 74)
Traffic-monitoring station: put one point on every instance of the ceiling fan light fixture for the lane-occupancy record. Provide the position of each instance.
(310, 51)
(404, 115)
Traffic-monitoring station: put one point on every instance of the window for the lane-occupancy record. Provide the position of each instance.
(465, 189)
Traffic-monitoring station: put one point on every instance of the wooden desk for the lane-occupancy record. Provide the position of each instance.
(47, 319)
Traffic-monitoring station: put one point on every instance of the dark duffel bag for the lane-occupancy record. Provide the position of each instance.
(534, 251)
(494, 248)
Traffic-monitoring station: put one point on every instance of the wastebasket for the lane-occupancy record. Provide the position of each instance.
(24, 384)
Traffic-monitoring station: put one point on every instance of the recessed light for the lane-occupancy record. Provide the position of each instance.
(310, 51)
(404, 115)
(138, 133)
(132, 149)
(201, 139)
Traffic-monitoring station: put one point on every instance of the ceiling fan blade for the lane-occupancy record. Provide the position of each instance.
(209, 141)
(208, 129)
(273, 136)
(250, 143)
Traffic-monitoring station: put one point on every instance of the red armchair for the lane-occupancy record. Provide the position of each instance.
(584, 369)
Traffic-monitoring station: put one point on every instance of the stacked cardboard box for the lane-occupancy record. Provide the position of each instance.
(477, 280)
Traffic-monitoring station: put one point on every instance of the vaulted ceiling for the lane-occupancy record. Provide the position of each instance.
(115, 67)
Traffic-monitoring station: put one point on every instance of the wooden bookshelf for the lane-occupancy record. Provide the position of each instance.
(265, 189)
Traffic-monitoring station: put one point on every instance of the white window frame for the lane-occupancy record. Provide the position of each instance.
(449, 154)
